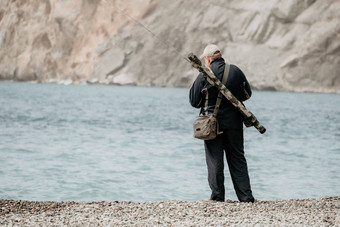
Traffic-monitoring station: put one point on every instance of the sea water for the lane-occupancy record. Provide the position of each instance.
(93, 143)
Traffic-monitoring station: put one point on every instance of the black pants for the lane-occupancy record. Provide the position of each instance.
(231, 141)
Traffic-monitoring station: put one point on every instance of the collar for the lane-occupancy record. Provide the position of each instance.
(217, 60)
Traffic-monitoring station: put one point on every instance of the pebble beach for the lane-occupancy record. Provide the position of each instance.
(305, 212)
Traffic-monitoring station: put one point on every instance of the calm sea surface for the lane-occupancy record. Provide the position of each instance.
(91, 143)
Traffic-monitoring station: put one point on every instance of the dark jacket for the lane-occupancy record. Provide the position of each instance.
(228, 116)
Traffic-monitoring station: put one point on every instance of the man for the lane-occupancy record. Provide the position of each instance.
(230, 122)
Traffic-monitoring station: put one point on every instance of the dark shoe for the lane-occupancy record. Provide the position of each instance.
(217, 200)
(252, 200)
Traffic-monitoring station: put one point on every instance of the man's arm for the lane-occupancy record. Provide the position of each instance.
(247, 89)
(246, 94)
(195, 95)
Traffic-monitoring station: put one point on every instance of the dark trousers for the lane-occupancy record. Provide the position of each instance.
(230, 142)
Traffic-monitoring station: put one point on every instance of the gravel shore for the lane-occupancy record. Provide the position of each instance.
(306, 212)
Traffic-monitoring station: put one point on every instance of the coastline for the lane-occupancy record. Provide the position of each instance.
(106, 83)
(298, 212)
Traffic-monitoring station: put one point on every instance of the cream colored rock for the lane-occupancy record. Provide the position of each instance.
(318, 60)
(279, 44)
(57, 40)
(123, 79)
(108, 62)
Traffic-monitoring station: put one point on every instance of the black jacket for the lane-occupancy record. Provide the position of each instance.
(228, 116)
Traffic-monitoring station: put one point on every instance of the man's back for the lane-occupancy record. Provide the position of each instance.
(228, 116)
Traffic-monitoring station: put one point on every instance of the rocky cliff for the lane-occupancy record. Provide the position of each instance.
(280, 45)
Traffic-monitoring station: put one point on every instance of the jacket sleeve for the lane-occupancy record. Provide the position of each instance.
(195, 96)
(246, 90)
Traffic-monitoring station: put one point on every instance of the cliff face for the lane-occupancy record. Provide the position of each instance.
(280, 45)
(51, 40)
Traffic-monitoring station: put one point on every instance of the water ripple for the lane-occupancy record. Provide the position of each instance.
(89, 143)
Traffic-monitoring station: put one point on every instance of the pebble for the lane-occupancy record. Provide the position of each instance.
(306, 212)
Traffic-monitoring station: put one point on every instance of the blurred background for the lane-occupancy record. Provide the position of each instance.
(280, 45)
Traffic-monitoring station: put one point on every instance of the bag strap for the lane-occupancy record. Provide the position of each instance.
(219, 97)
(206, 101)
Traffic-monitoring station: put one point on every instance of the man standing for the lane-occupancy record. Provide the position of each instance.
(204, 96)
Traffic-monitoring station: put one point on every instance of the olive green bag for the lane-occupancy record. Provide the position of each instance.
(206, 126)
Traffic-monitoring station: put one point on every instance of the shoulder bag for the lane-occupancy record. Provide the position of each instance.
(206, 126)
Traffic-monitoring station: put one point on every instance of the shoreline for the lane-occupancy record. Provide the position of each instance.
(301, 212)
(255, 88)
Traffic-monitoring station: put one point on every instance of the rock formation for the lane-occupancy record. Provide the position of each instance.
(280, 45)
